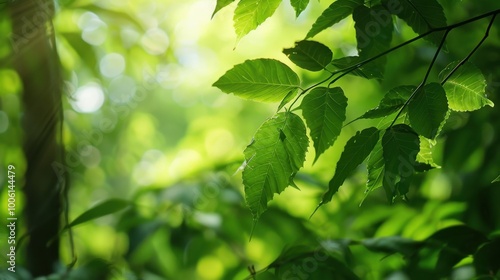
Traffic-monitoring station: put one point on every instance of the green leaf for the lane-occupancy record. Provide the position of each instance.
(420, 15)
(400, 146)
(465, 89)
(391, 103)
(310, 55)
(462, 238)
(299, 6)
(221, 4)
(365, 71)
(289, 97)
(324, 110)
(393, 244)
(326, 266)
(403, 186)
(276, 154)
(265, 80)
(336, 12)
(454, 243)
(102, 209)
(373, 34)
(497, 179)
(375, 169)
(424, 158)
(251, 13)
(289, 254)
(428, 109)
(355, 152)
(138, 234)
(487, 258)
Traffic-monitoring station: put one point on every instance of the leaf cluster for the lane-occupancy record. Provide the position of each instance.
(431, 258)
(395, 151)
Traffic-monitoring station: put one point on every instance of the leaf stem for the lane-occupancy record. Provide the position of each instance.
(447, 29)
(312, 86)
(462, 62)
(444, 28)
(422, 84)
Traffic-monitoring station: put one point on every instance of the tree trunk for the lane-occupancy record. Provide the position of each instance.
(36, 61)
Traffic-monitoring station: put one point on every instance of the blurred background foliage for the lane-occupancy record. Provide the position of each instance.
(143, 124)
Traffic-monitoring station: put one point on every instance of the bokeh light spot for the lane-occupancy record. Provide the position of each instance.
(155, 41)
(112, 65)
(210, 268)
(88, 99)
(93, 28)
(122, 89)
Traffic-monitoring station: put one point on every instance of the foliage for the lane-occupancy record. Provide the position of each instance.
(405, 146)
(427, 104)
(385, 103)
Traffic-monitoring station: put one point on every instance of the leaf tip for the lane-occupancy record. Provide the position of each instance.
(363, 199)
(497, 179)
(253, 228)
(316, 157)
(316, 209)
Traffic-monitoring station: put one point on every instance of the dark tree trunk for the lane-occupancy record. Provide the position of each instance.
(36, 61)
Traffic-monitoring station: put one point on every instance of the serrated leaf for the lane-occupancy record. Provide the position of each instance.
(310, 55)
(275, 155)
(299, 6)
(403, 186)
(265, 80)
(102, 209)
(375, 167)
(420, 15)
(400, 146)
(424, 157)
(336, 12)
(428, 109)
(221, 4)
(391, 103)
(324, 110)
(251, 13)
(361, 71)
(355, 152)
(373, 34)
(465, 89)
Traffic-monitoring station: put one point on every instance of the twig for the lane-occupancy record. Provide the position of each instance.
(445, 28)
(486, 34)
(422, 84)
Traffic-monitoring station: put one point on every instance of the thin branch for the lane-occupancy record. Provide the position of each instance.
(422, 84)
(445, 28)
(486, 34)
(311, 87)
